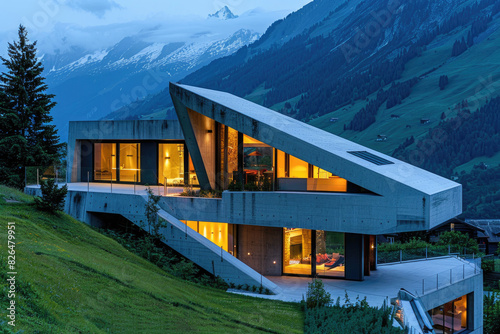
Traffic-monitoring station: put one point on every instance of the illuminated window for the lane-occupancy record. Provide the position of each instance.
(130, 162)
(257, 160)
(298, 168)
(450, 317)
(193, 179)
(330, 254)
(105, 162)
(297, 251)
(215, 232)
(171, 164)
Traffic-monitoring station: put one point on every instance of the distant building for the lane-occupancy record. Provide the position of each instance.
(425, 121)
(490, 235)
(334, 120)
(381, 138)
(393, 116)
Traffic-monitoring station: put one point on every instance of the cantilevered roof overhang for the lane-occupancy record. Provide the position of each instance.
(437, 198)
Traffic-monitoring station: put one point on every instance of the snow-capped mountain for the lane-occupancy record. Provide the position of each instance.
(90, 85)
(223, 14)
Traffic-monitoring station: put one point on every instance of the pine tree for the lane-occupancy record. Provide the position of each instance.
(26, 137)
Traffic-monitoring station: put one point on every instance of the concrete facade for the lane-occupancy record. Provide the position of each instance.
(83, 133)
(399, 197)
(422, 200)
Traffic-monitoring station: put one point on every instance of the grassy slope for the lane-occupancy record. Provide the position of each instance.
(72, 279)
(470, 78)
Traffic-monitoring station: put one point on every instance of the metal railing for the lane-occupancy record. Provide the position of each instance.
(412, 254)
(469, 268)
(34, 175)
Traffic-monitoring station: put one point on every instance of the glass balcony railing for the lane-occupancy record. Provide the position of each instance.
(34, 175)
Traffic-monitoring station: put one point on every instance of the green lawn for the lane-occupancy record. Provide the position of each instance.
(71, 279)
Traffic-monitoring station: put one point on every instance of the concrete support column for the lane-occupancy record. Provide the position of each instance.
(373, 252)
(366, 255)
(149, 163)
(86, 159)
(354, 256)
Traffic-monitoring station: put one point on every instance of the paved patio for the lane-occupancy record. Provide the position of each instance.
(383, 284)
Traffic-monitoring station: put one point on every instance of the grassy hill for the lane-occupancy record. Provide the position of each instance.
(71, 279)
(472, 75)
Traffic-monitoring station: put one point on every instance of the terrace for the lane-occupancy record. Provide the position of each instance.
(422, 278)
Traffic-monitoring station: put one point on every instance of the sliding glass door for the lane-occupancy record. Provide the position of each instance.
(117, 162)
(105, 162)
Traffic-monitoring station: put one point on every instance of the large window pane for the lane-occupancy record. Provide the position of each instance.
(105, 162)
(281, 168)
(130, 162)
(257, 160)
(215, 232)
(330, 254)
(171, 164)
(298, 168)
(193, 179)
(297, 251)
(450, 317)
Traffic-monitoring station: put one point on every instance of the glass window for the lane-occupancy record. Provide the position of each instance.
(319, 173)
(215, 232)
(297, 251)
(330, 254)
(130, 162)
(257, 160)
(228, 147)
(451, 317)
(193, 179)
(298, 168)
(105, 161)
(171, 164)
(281, 169)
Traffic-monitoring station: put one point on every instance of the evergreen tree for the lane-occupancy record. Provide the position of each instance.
(26, 137)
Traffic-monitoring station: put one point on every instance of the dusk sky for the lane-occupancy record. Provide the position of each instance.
(95, 23)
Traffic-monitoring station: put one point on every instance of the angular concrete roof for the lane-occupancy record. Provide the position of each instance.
(329, 143)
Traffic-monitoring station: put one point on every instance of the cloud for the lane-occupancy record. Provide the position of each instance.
(96, 7)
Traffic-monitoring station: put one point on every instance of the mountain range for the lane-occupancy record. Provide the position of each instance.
(90, 85)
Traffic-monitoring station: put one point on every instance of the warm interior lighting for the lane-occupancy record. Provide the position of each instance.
(171, 164)
(274, 262)
(248, 254)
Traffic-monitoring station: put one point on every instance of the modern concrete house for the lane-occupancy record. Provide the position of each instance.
(289, 200)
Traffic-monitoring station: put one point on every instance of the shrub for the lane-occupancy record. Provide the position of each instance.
(53, 197)
(488, 266)
(211, 193)
(357, 317)
(235, 186)
(491, 313)
(460, 240)
(189, 192)
(317, 295)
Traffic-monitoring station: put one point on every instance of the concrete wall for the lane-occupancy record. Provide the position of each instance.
(114, 130)
(265, 246)
(194, 208)
(351, 213)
